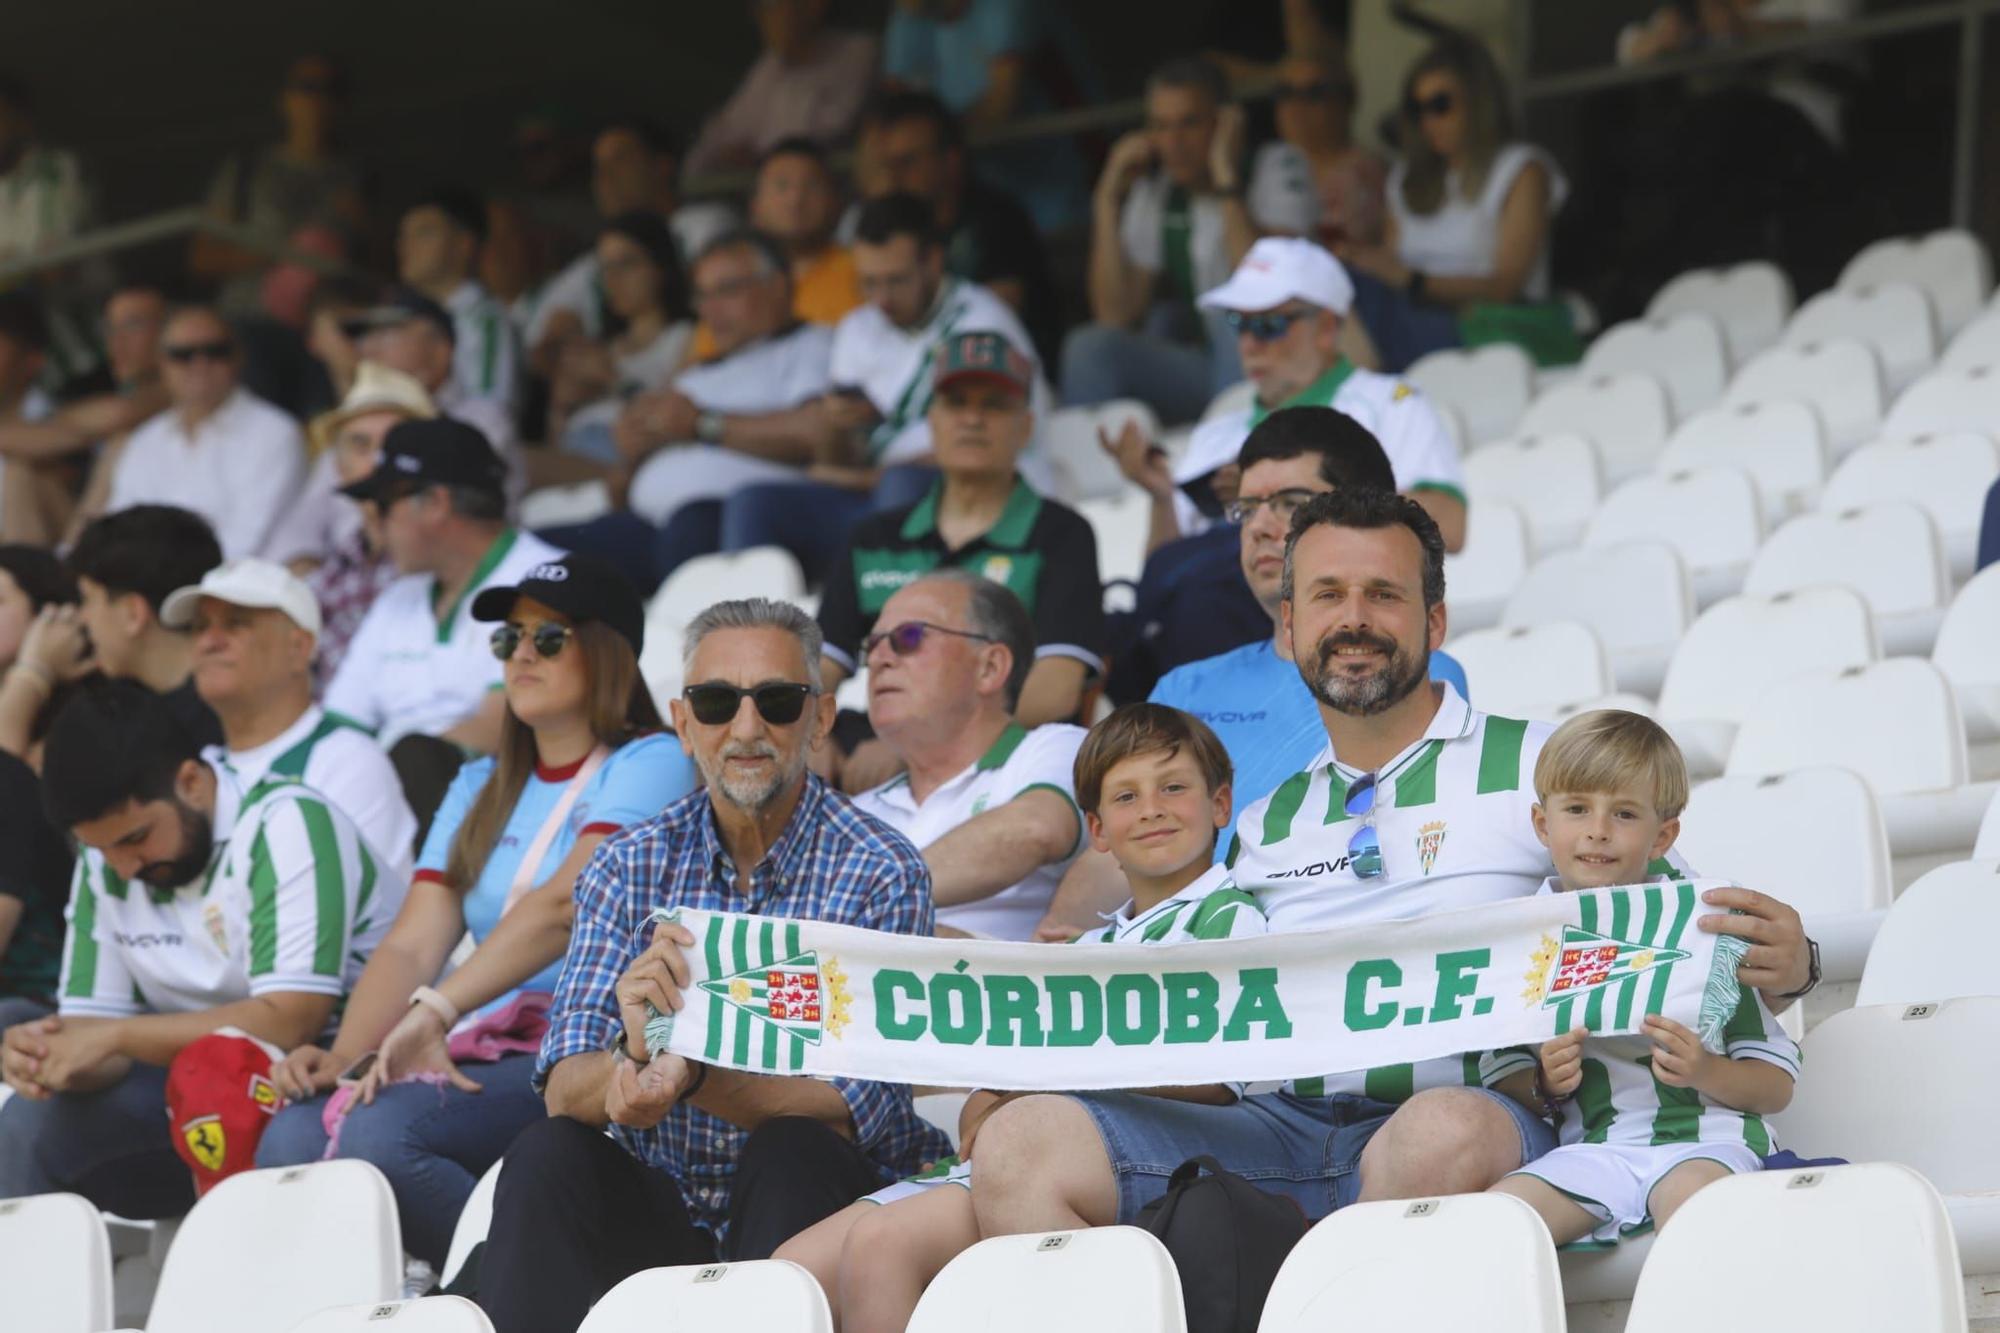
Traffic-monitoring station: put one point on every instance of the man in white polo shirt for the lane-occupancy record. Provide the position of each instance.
(437, 252)
(989, 802)
(255, 626)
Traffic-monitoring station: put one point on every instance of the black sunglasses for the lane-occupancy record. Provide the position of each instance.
(221, 350)
(908, 637)
(548, 638)
(1266, 327)
(779, 702)
(1437, 104)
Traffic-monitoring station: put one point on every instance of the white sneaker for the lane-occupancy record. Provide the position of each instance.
(418, 1278)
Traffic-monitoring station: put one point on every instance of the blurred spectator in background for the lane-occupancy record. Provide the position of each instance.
(24, 346)
(544, 211)
(43, 198)
(1817, 92)
(808, 84)
(411, 333)
(1316, 181)
(646, 297)
(437, 252)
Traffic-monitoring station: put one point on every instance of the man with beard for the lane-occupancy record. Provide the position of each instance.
(703, 1163)
(197, 905)
(1417, 805)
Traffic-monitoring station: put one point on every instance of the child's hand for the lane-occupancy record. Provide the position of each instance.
(1562, 1062)
(1679, 1059)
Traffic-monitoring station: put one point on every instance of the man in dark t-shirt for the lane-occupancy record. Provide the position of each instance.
(34, 886)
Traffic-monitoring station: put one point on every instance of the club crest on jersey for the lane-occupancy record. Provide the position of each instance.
(1584, 961)
(800, 995)
(218, 929)
(1430, 839)
(997, 568)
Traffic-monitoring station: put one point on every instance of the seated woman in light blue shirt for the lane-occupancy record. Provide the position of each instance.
(440, 1068)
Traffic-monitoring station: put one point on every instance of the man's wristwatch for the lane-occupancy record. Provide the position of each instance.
(1812, 973)
(708, 427)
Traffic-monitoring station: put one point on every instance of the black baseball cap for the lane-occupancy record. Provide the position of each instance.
(582, 587)
(401, 305)
(436, 452)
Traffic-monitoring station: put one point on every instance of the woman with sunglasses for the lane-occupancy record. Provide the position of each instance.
(1316, 175)
(436, 1072)
(1465, 257)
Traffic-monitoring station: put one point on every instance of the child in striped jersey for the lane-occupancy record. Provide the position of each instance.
(1154, 783)
(1646, 1120)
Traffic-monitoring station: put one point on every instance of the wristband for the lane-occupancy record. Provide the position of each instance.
(700, 1077)
(1812, 973)
(619, 1051)
(435, 1001)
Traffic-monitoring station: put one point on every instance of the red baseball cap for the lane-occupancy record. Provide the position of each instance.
(220, 1098)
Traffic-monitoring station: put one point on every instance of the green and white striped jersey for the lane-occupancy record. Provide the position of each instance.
(1208, 909)
(292, 900)
(485, 350)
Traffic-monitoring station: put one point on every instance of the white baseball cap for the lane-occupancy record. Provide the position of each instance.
(1280, 269)
(262, 584)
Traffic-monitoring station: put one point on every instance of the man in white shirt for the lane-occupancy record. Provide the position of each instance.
(219, 450)
(255, 627)
(990, 803)
(412, 333)
(437, 252)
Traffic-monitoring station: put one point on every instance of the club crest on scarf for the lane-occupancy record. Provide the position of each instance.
(1585, 961)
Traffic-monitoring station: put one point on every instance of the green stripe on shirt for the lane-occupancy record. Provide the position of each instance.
(329, 890)
(263, 907)
(82, 937)
(1500, 755)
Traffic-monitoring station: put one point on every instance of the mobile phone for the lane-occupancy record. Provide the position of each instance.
(357, 1071)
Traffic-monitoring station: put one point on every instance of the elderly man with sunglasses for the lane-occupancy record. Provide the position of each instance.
(703, 1163)
(219, 450)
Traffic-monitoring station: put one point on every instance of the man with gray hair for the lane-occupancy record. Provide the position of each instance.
(703, 1163)
(990, 802)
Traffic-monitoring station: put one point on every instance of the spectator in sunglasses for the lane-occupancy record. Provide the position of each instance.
(219, 450)
(582, 755)
(1316, 181)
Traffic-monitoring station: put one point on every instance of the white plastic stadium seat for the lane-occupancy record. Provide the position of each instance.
(1056, 1282)
(473, 1220)
(1889, 553)
(1626, 416)
(1948, 400)
(1636, 596)
(761, 571)
(433, 1314)
(1881, 1246)
(1936, 942)
(1121, 524)
(1894, 318)
(1840, 379)
(264, 1249)
(1945, 475)
(1740, 647)
(1780, 444)
(1533, 671)
(1481, 577)
(1750, 301)
(55, 1265)
(1968, 652)
(1686, 352)
(1812, 837)
(1556, 481)
(1986, 847)
(555, 506)
(1710, 515)
(761, 1294)
(1488, 386)
(1378, 1265)
(1895, 722)
(1951, 266)
(1977, 344)
(1069, 442)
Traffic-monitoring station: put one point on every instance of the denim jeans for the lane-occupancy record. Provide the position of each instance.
(1171, 363)
(1401, 329)
(111, 1146)
(811, 519)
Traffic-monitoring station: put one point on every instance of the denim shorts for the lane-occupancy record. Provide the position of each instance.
(1307, 1149)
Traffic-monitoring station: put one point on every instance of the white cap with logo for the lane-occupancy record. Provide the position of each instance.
(261, 584)
(1280, 269)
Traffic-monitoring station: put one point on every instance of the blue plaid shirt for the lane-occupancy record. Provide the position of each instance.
(832, 863)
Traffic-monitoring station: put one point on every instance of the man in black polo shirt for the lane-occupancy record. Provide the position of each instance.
(980, 516)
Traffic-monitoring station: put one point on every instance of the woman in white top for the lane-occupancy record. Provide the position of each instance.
(646, 294)
(1465, 254)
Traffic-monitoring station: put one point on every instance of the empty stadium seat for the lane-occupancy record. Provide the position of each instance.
(1894, 318)
(1627, 416)
(1986, 846)
(1377, 1265)
(264, 1249)
(1056, 1282)
(761, 571)
(1951, 266)
(1841, 379)
(1488, 386)
(1947, 401)
(1533, 671)
(1071, 442)
(1556, 481)
(1740, 647)
(1636, 596)
(473, 1219)
(1812, 837)
(1968, 652)
(1481, 577)
(558, 506)
(434, 1314)
(1895, 722)
(1977, 344)
(1937, 941)
(1881, 1246)
(1945, 475)
(1122, 525)
(55, 1265)
(762, 1294)
(1780, 444)
(1889, 553)
(1750, 301)
(1686, 352)
(1710, 515)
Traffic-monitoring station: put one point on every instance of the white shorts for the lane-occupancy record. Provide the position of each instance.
(685, 473)
(949, 1171)
(1613, 1182)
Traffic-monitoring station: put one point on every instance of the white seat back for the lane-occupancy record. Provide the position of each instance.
(1069, 443)
(760, 571)
(433, 1314)
(55, 1265)
(1742, 646)
(1627, 416)
(1986, 846)
(1968, 642)
(264, 1249)
(1730, 830)
(1893, 317)
(1936, 942)
(1952, 267)
(473, 1220)
(1889, 553)
(1533, 671)
(1894, 722)
(1947, 476)
(1750, 301)
(1686, 352)
(1882, 1252)
(1376, 1265)
(1483, 575)
(1121, 523)
(1977, 344)
(1780, 444)
(1556, 481)
(1056, 1282)
(1841, 379)
(699, 1298)
(1947, 401)
(1489, 387)
(1710, 515)
(1635, 596)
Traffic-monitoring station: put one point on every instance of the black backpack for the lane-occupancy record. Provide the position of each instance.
(1227, 1238)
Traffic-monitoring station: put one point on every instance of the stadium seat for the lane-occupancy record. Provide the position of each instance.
(1377, 1265)
(1889, 553)
(761, 571)
(55, 1265)
(558, 506)
(1841, 380)
(1947, 401)
(1235, 398)
(1710, 515)
(1740, 647)
(1083, 469)
(1977, 344)
(761, 1294)
(1780, 444)
(1968, 652)
(433, 1314)
(1945, 475)
(1986, 846)
(1687, 353)
(1951, 266)
(1832, 858)
(1881, 1249)
(473, 1219)
(942, 1110)
(1626, 416)
(1533, 671)
(1750, 301)
(1122, 524)
(1056, 1282)
(1556, 481)
(1894, 318)
(1636, 596)
(1937, 941)
(1481, 577)
(1488, 386)
(1619, 702)
(264, 1249)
